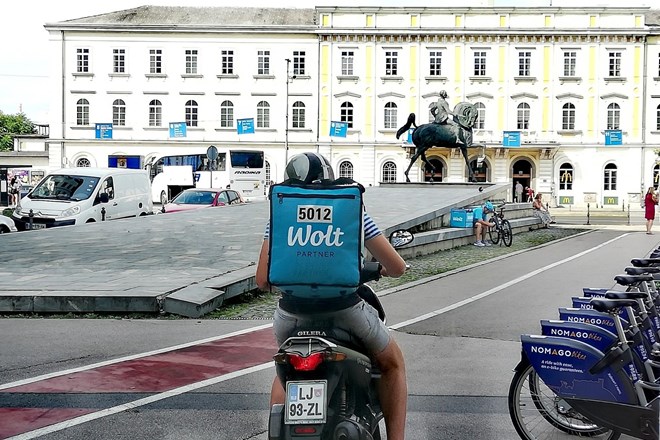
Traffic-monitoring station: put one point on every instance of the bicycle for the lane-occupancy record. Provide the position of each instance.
(501, 232)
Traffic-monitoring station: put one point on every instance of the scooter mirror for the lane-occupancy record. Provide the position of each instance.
(401, 237)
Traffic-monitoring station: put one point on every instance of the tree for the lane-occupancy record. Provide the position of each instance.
(11, 126)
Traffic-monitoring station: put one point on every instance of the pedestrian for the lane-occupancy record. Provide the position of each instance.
(530, 194)
(519, 192)
(541, 211)
(14, 190)
(650, 201)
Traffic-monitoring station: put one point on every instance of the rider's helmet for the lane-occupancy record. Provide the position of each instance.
(309, 167)
(443, 93)
(488, 206)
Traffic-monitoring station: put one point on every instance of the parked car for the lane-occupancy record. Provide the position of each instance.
(6, 225)
(196, 198)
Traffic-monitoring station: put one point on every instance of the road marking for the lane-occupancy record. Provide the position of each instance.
(501, 286)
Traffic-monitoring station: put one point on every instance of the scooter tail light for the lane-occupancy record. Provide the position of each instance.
(306, 430)
(305, 363)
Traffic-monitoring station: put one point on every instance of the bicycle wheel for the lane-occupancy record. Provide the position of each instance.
(507, 234)
(493, 231)
(538, 413)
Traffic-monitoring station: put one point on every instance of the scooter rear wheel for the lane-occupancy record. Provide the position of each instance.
(538, 413)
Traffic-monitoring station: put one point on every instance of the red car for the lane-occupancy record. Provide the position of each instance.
(196, 198)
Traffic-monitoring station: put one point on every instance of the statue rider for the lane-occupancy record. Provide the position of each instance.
(440, 110)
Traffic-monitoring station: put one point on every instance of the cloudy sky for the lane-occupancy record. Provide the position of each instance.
(24, 67)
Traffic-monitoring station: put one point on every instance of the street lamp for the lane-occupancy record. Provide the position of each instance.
(286, 127)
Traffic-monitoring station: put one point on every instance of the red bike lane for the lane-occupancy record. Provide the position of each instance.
(151, 374)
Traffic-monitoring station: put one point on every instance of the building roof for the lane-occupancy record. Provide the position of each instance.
(200, 16)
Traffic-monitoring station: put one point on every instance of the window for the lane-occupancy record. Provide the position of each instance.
(346, 169)
(435, 63)
(614, 64)
(613, 116)
(388, 172)
(82, 60)
(523, 116)
(263, 62)
(431, 117)
(82, 112)
(657, 118)
(298, 115)
(108, 187)
(658, 74)
(566, 177)
(192, 115)
(568, 116)
(656, 176)
(391, 62)
(267, 166)
(191, 61)
(347, 113)
(524, 63)
(263, 114)
(347, 62)
(480, 63)
(609, 178)
(480, 122)
(227, 62)
(298, 62)
(390, 115)
(227, 114)
(570, 61)
(119, 112)
(155, 113)
(155, 61)
(83, 162)
(118, 60)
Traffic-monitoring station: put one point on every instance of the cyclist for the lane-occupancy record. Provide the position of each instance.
(350, 313)
(481, 223)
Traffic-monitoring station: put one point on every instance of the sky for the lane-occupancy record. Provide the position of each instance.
(23, 61)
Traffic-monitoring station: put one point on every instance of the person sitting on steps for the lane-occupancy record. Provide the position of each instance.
(481, 224)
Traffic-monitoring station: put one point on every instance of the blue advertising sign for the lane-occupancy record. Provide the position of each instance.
(178, 130)
(338, 129)
(410, 131)
(103, 131)
(245, 126)
(613, 137)
(511, 139)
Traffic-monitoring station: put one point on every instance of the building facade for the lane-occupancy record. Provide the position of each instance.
(568, 98)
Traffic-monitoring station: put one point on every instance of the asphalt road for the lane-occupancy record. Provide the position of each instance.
(459, 333)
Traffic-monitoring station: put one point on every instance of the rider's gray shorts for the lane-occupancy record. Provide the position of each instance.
(359, 323)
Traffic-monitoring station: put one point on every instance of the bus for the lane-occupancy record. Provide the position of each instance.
(243, 170)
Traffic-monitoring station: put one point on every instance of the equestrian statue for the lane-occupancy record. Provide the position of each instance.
(443, 132)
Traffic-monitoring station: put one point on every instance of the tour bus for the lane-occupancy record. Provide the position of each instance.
(243, 170)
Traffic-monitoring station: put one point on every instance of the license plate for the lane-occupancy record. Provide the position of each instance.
(37, 226)
(306, 402)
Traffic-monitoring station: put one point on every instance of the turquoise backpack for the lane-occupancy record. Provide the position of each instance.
(316, 238)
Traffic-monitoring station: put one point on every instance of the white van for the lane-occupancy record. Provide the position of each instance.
(74, 196)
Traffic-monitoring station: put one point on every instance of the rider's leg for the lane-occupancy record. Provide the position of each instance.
(276, 392)
(478, 231)
(393, 390)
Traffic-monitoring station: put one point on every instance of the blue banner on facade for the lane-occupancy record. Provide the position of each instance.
(613, 137)
(511, 139)
(103, 131)
(178, 130)
(245, 126)
(410, 131)
(338, 129)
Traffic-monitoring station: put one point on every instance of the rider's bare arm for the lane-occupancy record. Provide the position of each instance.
(262, 267)
(384, 253)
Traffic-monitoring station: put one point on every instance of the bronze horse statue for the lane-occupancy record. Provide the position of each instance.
(449, 135)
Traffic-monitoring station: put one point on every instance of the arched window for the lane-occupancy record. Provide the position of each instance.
(609, 177)
(119, 112)
(656, 176)
(347, 113)
(227, 114)
(566, 177)
(568, 116)
(523, 116)
(83, 162)
(480, 170)
(480, 122)
(298, 115)
(613, 116)
(657, 118)
(390, 115)
(388, 172)
(192, 115)
(434, 174)
(155, 113)
(267, 166)
(346, 169)
(263, 114)
(82, 112)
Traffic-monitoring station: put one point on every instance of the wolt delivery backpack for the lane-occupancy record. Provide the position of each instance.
(316, 238)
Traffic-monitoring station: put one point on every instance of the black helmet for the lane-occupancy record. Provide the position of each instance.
(309, 167)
